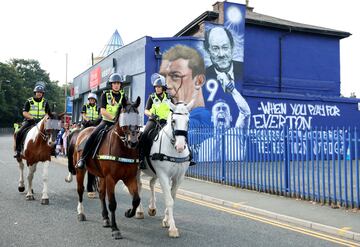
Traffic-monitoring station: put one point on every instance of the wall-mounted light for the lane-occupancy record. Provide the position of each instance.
(157, 52)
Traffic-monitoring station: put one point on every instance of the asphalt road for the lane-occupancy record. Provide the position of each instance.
(28, 223)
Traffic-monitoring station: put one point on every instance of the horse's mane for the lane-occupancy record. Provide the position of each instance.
(117, 115)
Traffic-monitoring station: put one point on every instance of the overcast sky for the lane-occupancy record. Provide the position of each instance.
(47, 30)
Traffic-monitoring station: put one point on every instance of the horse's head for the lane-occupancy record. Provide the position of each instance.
(179, 120)
(129, 122)
(52, 124)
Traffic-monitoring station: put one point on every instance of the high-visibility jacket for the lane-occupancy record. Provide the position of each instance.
(92, 112)
(111, 105)
(37, 109)
(160, 107)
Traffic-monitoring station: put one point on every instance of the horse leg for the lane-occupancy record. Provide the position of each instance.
(45, 177)
(152, 201)
(102, 195)
(131, 184)
(21, 186)
(110, 189)
(169, 203)
(69, 178)
(32, 170)
(90, 186)
(80, 173)
(140, 210)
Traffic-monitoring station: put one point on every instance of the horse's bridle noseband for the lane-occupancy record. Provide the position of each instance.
(177, 132)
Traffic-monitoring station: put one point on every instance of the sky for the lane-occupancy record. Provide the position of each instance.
(48, 30)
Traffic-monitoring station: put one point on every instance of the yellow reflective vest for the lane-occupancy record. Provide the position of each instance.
(160, 107)
(111, 105)
(91, 112)
(37, 109)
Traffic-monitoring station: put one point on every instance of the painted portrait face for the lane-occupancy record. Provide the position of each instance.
(220, 49)
(179, 79)
(221, 115)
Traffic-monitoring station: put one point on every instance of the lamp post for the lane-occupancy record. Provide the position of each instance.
(66, 70)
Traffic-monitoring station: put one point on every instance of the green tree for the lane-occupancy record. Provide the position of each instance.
(31, 72)
(11, 95)
(17, 81)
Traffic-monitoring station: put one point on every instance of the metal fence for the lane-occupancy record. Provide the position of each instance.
(6, 131)
(321, 164)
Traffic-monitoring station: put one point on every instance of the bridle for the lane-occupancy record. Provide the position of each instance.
(173, 131)
(132, 122)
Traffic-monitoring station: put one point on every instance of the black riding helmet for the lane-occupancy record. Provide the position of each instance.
(116, 77)
(39, 87)
(158, 80)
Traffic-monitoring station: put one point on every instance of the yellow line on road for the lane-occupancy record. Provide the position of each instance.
(268, 221)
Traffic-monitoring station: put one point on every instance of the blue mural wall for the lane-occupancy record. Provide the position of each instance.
(309, 62)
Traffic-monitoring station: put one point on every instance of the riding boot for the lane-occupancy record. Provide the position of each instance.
(192, 163)
(18, 145)
(87, 148)
(142, 165)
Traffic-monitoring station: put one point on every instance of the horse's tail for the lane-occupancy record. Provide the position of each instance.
(71, 140)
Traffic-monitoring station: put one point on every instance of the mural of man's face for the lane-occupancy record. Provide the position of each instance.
(221, 115)
(179, 79)
(220, 49)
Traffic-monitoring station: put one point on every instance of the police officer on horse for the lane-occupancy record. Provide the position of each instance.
(109, 104)
(34, 110)
(90, 111)
(157, 109)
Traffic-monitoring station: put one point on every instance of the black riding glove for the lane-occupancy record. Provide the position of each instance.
(154, 116)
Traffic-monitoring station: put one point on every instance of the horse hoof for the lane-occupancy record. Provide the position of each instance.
(129, 213)
(81, 217)
(21, 189)
(68, 179)
(116, 234)
(139, 215)
(174, 233)
(165, 224)
(106, 223)
(30, 198)
(45, 201)
(152, 211)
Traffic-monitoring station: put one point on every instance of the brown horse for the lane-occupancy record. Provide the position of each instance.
(71, 140)
(38, 146)
(117, 159)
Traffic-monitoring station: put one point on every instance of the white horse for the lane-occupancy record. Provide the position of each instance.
(38, 147)
(169, 158)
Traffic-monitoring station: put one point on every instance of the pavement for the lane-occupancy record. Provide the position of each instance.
(340, 222)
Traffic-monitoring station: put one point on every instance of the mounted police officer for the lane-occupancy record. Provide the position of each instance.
(109, 104)
(34, 110)
(157, 109)
(90, 111)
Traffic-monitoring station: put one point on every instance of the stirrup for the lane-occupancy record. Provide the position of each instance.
(80, 164)
(17, 155)
(142, 165)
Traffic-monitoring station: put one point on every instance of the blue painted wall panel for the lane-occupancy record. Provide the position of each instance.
(310, 63)
(261, 58)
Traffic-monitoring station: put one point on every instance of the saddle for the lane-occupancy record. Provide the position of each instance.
(98, 140)
(24, 134)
